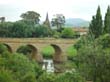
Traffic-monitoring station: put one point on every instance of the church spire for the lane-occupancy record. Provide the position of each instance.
(47, 18)
(47, 22)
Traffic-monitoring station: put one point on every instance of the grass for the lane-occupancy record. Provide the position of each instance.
(48, 52)
(71, 52)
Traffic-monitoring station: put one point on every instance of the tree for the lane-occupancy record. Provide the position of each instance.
(5, 29)
(2, 19)
(3, 48)
(47, 77)
(58, 20)
(107, 21)
(72, 76)
(41, 31)
(20, 29)
(67, 33)
(6, 76)
(93, 60)
(23, 69)
(96, 26)
(104, 40)
(31, 17)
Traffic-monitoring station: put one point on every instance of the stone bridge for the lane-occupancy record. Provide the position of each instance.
(36, 44)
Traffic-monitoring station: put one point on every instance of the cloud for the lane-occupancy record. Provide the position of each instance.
(70, 8)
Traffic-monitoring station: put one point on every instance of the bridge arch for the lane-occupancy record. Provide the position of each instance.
(32, 52)
(57, 57)
(8, 47)
(35, 54)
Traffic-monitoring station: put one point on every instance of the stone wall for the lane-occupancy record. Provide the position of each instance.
(60, 46)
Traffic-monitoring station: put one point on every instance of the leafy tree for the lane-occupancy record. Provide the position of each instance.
(67, 33)
(22, 68)
(41, 31)
(20, 29)
(104, 41)
(93, 62)
(96, 26)
(6, 76)
(31, 17)
(59, 21)
(2, 19)
(5, 29)
(71, 76)
(3, 48)
(56, 34)
(83, 41)
(107, 21)
(47, 77)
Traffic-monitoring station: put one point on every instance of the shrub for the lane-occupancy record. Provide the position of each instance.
(20, 66)
(71, 76)
(24, 50)
(6, 76)
(3, 48)
(67, 33)
(56, 34)
(47, 77)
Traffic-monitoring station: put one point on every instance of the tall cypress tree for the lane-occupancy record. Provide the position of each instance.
(96, 26)
(107, 21)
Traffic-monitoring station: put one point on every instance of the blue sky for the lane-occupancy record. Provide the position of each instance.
(84, 9)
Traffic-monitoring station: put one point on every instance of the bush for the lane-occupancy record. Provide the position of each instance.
(25, 50)
(71, 76)
(56, 34)
(3, 48)
(42, 31)
(47, 77)
(104, 41)
(67, 33)
(93, 63)
(6, 76)
(22, 68)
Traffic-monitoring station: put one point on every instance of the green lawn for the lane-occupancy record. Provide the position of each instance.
(48, 51)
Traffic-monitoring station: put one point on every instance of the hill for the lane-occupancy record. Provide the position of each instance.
(76, 22)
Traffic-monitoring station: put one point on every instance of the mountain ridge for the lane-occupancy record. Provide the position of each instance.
(76, 22)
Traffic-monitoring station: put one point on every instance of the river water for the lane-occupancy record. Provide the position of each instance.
(48, 65)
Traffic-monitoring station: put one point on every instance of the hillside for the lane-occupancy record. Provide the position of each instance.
(76, 22)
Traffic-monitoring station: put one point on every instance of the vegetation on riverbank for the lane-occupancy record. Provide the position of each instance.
(88, 59)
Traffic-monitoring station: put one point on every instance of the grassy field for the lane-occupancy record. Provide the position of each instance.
(48, 51)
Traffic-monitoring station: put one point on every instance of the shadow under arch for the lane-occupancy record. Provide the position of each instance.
(57, 57)
(32, 52)
(8, 47)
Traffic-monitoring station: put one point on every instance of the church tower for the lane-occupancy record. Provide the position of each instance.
(47, 22)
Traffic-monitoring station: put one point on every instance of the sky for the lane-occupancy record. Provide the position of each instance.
(84, 9)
